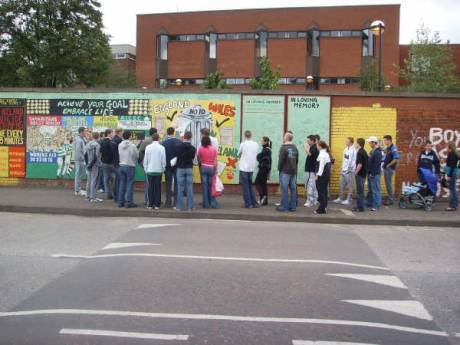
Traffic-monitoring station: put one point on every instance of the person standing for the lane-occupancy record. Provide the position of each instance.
(428, 159)
(142, 147)
(390, 163)
(247, 152)
(346, 175)
(264, 158)
(312, 152)
(108, 170)
(207, 158)
(185, 156)
(323, 176)
(93, 154)
(79, 145)
(451, 170)
(100, 176)
(116, 140)
(171, 144)
(129, 155)
(360, 174)
(214, 141)
(287, 167)
(154, 165)
(374, 195)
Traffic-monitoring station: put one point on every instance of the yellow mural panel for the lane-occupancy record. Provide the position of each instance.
(358, 122)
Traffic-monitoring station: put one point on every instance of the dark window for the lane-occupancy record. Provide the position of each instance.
(314, 43)
(262, 43)
(162, 47)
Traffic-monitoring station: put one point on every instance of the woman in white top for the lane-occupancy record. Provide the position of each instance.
(323, 176)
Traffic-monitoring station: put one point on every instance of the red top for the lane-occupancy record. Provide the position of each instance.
(207, 155)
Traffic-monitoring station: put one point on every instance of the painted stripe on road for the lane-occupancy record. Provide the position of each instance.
(457, 335)
(222, 258)
(316, 342)
(388, 280)
(148, 226)
(223, 318)
(137, 335)
(408, 308)
(118, 245)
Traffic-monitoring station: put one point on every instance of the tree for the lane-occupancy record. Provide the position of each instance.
(119, 77)
(215, 81)
(369, 78)
(52, 43)
(429, 67)
(269, 79)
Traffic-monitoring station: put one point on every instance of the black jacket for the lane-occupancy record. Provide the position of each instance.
(106, 151)
(310, 161)
(264, 158)
(185, 155)
(115, 155)
(288, 159)
(428, 160)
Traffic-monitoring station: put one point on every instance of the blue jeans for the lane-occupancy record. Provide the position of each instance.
(453, 202)
(126, 185)
(206, 174)
(249, 196)
(288, 182)
(185, 181)
(146, 189)
(79, 168)
(108, 171)
(359, 192)
(388, 176)
(374, 195)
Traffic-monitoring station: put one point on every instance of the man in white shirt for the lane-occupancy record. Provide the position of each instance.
(154, 166)
(248, 160)
(347, 173)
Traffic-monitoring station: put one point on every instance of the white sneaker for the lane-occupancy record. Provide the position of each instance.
(308, 204)
(156, 208)
(81, 193)
(346, 202)
(96, 200)
(100, 191)
(337, 201)
(277, 203)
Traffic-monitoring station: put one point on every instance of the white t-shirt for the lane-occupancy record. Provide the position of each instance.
(349, 159)
(248, 151)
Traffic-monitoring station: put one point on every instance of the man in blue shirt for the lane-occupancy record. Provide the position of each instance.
(389, 166)
(171, 144)
(374, 172)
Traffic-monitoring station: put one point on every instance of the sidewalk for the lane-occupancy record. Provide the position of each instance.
(63, 201)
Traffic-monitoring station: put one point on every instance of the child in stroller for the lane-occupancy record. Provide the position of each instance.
(421, 194)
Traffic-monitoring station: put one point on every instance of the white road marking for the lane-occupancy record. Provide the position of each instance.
(222, 258)
(313, 342)
(457, 335)
(118, 245)
(223, 318)
(137, 335)
(346, 212)
(408, 308)
(148, 226)
(388, 280)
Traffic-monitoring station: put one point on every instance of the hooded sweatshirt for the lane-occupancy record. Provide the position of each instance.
(93, 149)
(128, 153)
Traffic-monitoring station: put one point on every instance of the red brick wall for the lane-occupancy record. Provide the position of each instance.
(186, 60)
(290, 54)
(340, 57)
(236, 58)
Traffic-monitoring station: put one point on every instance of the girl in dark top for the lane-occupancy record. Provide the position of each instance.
(265, 164)
(451, 170)
(323, 175)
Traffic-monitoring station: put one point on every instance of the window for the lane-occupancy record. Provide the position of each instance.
(163, 83)
(162, 46)
(292, 81)
(187, 38)
(314, 42)
(212, 45)
(236, 81)
(341, 33)
(368, 43)
(262, 43)
(339, 81)
(237, 36)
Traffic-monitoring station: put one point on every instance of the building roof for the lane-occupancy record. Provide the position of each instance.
(123, 49)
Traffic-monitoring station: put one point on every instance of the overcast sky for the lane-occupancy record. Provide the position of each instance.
(439, 15)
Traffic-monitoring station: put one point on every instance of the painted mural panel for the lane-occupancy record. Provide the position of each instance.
(192, 112)
(12, 140)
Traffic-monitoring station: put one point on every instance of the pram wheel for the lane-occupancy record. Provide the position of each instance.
(428, 207)
(402, 203)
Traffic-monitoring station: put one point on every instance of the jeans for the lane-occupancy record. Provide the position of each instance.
(288, 183)
(374, 195)
(346, 180)
(453, 202)
(154, 190)
(79, 168)
(171, 188)
(146, 189)
(249, 196)
(108, 170)
(116, 186)
(322, 187)
(206, 174)
(92, 182)
(261, 182)
(185, 181)
(388, 176)
(310, 187)
(126, 185)
(359, 192)
(100, 179)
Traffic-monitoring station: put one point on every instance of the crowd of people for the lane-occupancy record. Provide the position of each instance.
(110, 159)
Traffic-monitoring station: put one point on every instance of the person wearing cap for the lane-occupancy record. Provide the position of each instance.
(374, 173)
(79, 145)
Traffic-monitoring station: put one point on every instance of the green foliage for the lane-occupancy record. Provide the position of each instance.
(369, 78)
(52, 43)
(429, 67)
(269, 79)
(119, 77)
(215, 81)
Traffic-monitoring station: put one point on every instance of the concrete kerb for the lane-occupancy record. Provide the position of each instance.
(225, 216)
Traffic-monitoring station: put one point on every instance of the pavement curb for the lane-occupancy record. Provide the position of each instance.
(277, 217)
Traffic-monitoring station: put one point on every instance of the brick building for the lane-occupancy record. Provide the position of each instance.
(125, 56)
(328, 43)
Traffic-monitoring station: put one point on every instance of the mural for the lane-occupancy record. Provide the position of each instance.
(192, 112)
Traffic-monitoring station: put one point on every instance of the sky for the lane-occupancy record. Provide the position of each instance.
(438, 15)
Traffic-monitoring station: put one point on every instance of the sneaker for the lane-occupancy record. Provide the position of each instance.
(337, 201)
(95, 200)
(308, 204)
(131, 206)
(277, 203)
(356, 209)
(346, 202)
(156, 208)
(149, 207)
(451, 209)
(279, 209)
(100, 191)
(256, 206)
(373, 209)
(81, 193)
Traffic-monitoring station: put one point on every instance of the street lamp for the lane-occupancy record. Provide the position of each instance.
(377, 28)
(178, 82)
(310, 80)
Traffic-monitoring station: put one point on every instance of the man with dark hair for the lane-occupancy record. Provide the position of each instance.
(360, 173)
(428, 159)
(171, 145)
(100, 176)
(116, 140)
(310, 170)
(93, 154)
(287, 166)
(185, 156)
(129, 155)
(374, 173)
(108, 169)
(248, 160)
(142, 147)
(79, 152)
(154, 166)
(389, 166)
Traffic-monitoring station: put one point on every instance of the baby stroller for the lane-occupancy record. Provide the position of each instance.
(422, 194)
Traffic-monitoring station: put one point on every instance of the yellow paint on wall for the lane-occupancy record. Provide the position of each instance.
(358, 122)
(4, 161)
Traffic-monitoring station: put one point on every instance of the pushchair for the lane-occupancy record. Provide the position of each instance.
(421, 194)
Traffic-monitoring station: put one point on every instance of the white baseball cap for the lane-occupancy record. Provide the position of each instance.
(373, 139)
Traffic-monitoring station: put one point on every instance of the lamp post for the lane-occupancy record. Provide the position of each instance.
(310, 80)
(377, 28)
(178, 82)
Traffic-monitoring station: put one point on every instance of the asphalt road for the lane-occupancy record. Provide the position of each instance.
(72, 280)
